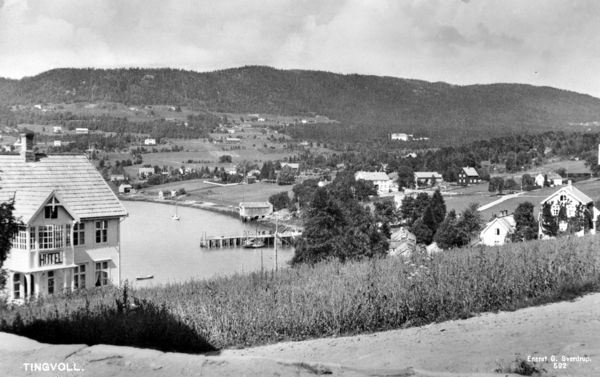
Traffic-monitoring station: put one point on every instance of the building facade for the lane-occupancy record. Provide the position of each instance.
(380, 179)
(70, 233)
(468, 176)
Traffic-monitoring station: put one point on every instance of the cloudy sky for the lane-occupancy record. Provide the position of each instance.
(539, 42)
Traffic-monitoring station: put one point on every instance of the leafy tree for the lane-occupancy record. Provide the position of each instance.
(511, 185)
(286, 176)
(304, 192)
(429, 219)
(280, 200)
(469, 224)
(422, 232)
(449, 235)
(528, 182)
(496, 185)
(549, 222)
(526, 225)
(438, 206)
(346, 187)
(225, 159)
(9, 226)
(387, 212)
(334, 230)
(406, 176)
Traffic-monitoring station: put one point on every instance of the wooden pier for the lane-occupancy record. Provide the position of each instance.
(283, 238)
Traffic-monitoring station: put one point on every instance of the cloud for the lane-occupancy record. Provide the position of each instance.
(552, 43)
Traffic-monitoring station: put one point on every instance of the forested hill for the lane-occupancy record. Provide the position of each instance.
(385, 104)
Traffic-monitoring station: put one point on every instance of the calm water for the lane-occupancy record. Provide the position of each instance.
(153, 244)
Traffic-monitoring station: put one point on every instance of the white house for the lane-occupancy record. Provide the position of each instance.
(539, 180)
(144, 173)
(150, 142)
(294, 166)
(569, 197)
(57, 143)
(57, 129)
(81, 131)
(380, 180)
(403, 137)
(70, 237)
(497, 230)
(427, 178)
(555, 179)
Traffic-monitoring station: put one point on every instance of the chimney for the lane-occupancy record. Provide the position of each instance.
(569, 182)
(27, 147)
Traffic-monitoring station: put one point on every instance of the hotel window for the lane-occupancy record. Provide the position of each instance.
(59, 236)
(497, 231)
(17, 286)
(101, 274)
(101, 231)
(562, 226)
(46, 237)
(50, 282)
(79, 276)
(68, 235)
(20, 239)
(51, 236)
(555, 209)
(571, 210)
(32, 237)
(563, 198)
(78, 234)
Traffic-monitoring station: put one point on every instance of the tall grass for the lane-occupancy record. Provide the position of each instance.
(331, 298)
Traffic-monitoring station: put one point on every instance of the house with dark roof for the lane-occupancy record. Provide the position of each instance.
(468, 176)
(70, 233)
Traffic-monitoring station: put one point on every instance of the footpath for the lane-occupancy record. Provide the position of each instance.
(566, 332)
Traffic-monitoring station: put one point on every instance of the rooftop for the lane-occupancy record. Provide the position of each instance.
(71, 177)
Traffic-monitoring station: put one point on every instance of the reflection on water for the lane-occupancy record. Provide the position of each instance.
(153, 244)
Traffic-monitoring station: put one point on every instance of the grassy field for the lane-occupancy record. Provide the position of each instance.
(589, 187)
(225, 195)
(325, 300)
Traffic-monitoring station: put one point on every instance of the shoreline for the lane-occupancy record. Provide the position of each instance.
(197, 204)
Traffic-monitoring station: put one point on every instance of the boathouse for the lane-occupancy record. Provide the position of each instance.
(255, 210)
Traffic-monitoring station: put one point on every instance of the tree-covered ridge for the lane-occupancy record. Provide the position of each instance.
(381, 104)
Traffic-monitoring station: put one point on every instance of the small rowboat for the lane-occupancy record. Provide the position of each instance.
(144, 277)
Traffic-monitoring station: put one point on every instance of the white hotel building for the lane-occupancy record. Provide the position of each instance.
(70, 233)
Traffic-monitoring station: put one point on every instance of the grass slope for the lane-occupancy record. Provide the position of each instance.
(329, 299)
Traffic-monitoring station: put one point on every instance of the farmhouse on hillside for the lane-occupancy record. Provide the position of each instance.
(573, 202)
(144, 173)
(70, 233)
(423, 178)
(379, 179)
(403, 137)
(497, 230)
(150, 142)
(468, 176)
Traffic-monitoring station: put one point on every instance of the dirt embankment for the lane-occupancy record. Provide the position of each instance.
(476, 347)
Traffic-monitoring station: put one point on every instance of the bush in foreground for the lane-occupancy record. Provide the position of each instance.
(329, 298)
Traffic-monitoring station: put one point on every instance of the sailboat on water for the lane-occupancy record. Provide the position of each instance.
(175, 217)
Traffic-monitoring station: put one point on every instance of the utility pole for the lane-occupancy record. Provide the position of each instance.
(276, 223)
